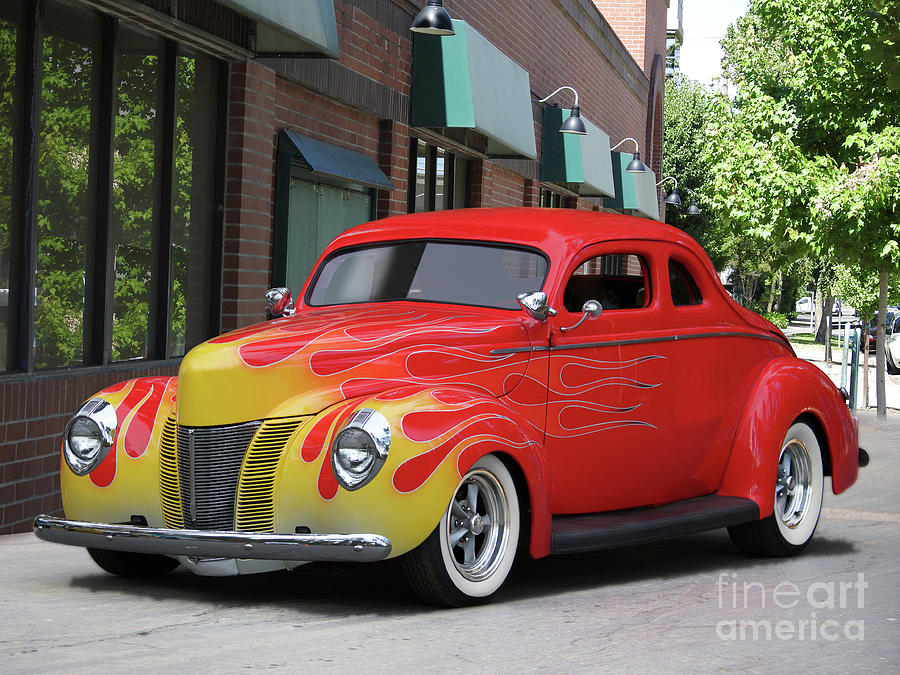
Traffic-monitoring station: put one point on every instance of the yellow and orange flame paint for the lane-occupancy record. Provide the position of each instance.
(441, 401)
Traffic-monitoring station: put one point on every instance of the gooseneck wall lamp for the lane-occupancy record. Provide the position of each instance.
(693, 209)
(673, 197)
(635, 165)
(574, 123)
(433, 19)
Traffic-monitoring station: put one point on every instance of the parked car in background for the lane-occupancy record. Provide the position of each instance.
(454, 389)
(891, 316)
(892, 347)
(805, 306)
(839, 308)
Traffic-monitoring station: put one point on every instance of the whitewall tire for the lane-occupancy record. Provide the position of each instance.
(471, 551)
(799, 486)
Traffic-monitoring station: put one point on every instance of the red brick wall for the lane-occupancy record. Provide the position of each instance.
(249, 194)
(372, 49)
(628, 19)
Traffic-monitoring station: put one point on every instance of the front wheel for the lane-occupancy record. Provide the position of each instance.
(133, 565)
(469, 554)
(799, 485)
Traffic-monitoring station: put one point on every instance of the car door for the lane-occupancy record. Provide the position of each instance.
(609, 423)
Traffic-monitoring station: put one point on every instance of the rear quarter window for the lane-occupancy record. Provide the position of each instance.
(685, 291)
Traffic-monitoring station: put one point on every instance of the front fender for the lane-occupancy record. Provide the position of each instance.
(787, 389)
(437, 434)
(127, 480)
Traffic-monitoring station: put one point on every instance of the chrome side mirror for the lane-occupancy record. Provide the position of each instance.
(591, 308)
(278, 302)
(536, 304)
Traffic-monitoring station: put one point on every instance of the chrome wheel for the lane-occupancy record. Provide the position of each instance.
(468, 556)
(793, 483)
(477, 526)
(799, 485)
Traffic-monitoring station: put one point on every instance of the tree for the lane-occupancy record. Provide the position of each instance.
(685, 115)
(806, 155)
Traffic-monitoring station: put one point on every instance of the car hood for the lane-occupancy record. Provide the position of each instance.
(300, 365)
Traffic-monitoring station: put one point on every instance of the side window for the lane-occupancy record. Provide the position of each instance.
(684, 288)
(616, 281)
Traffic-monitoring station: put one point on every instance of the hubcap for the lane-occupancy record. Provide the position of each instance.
(793, 483)
(477, 525)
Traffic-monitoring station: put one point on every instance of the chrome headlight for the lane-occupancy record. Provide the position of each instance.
(89, 435)
(360, 448)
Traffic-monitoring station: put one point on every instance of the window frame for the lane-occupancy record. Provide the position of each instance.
(452, 161)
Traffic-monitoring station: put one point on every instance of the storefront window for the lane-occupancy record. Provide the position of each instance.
(440, 181)
(124, 265)
(191, 253)
(70, 57)
(552, 200)
(135, 216)
(7, 86)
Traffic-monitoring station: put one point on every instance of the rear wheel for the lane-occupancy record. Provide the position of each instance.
(799, 485)
(469, 554)
(133, 565)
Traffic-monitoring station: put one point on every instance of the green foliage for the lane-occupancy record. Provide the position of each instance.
(779, 319)
(685, 116)
(860, 289)
(804, 161)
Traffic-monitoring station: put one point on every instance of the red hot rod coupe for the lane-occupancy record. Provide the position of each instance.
(456, 388)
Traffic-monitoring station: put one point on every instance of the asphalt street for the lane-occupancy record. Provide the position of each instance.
(691, 604)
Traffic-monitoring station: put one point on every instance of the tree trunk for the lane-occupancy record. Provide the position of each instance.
(780, 300)
(824, 313)
(771, 294)
(880, 394)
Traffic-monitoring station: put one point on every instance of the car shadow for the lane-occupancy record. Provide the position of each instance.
(352, 589)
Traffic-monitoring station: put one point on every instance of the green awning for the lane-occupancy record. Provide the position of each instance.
(291, 27)
(634, 191)
(570, 158)
(331, 161)
(464, 81)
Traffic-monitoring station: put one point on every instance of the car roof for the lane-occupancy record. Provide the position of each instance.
(558, 232)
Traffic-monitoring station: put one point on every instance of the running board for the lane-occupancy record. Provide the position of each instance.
(612, 529)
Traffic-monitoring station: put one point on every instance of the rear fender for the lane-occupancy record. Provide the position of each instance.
(786, 390)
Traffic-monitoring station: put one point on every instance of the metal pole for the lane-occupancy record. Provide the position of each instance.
(854, 369)
(845, 339)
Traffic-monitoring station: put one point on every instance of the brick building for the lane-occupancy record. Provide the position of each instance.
(163, 162)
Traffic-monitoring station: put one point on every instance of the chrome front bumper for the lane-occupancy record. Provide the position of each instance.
(210, 544)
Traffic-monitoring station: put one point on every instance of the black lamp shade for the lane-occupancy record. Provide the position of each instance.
(574, 124)
(693, 209)
(673, 198)
(433, 19)
(636, 165)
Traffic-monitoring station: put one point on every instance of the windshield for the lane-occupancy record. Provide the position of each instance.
(430, 271)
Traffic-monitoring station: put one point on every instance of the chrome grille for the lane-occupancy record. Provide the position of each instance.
(256, 486)
(169, 491)
(209, 463)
